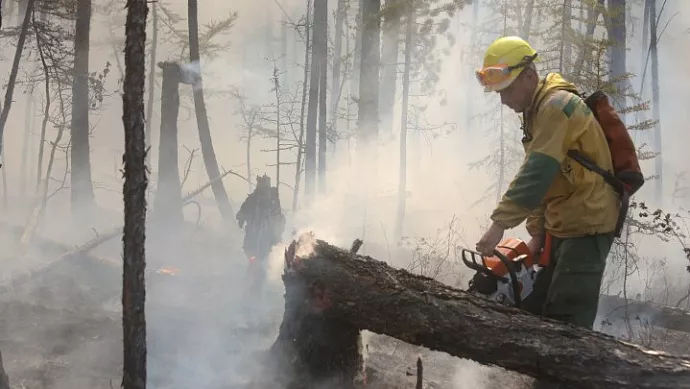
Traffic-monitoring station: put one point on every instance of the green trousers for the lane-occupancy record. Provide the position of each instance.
(568, 290)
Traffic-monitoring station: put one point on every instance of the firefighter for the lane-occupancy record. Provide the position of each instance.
(263, 221)
(567, 208)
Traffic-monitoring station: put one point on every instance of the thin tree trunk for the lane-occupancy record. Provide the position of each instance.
(152, 78)
(82, 195)
(249, 159)
(658, 165)
(207, 151)
(46, 111)
(312, 110)
(15, 68)
(340, 15)
(28, 121)
(134, 192)
(276, 86)
(358, 47)
(305, 83)
(389, 62)
(323, 85)
(617, 34)
(402, 179)
(368, 118)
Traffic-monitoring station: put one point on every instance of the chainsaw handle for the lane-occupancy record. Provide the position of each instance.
(469, 257)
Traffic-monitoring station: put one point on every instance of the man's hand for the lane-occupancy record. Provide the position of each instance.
(492, 237)
(535, 245)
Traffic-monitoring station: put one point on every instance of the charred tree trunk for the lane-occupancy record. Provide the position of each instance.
(13, 73)
(152, 77)
(81, 186)
(207, 151)
(322, 16)
(168, 206)
(389, 62)
(402, 179)
(345, 290)
(134, 191)
(368, 118)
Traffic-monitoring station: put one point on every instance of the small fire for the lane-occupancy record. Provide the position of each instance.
(171, 271)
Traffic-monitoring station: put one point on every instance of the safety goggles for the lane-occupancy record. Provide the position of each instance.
(498, 74)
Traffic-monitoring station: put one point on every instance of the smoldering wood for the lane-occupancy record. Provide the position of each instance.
(168, 203)
(328, 287)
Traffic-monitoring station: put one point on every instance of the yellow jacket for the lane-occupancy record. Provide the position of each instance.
(551, 191)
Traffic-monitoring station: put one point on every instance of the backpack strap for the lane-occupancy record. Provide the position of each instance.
(617, 185)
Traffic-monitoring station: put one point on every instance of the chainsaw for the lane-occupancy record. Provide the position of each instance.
(506, 277)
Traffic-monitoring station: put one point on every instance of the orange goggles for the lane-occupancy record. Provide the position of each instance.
(497, 74)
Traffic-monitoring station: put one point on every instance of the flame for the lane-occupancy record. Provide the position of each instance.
(171, 271)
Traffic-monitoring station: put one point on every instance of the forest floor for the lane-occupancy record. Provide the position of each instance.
(61, 328)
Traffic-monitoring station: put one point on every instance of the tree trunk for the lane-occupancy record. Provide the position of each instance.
(389, 62)
(402, 179)
(368, 103)
(360, 292)
(527, 24)
(322, 15)
(207, 151)
(28, 124)
(167, 208)
(13, 73)
(658, 165)
(152, 78)
(134, 192)
(312, 108)
(82, 196)
(336, 89)
(305, 83)
(357, 54)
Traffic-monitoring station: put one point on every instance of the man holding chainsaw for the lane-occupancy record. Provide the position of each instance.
(570, 212)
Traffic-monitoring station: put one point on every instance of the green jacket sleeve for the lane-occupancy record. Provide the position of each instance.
(543, 159)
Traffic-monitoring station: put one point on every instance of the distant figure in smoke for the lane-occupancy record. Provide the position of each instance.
(263, 221)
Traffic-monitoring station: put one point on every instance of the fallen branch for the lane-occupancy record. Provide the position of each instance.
(332, 288)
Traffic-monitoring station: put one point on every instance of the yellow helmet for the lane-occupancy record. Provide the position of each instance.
(504, 60)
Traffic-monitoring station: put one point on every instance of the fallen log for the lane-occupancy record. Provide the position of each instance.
(613, 307)
(328, 289)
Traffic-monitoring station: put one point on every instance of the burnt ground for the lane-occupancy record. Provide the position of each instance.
(61, 328)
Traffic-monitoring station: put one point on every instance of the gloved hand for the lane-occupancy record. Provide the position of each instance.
(491, 238)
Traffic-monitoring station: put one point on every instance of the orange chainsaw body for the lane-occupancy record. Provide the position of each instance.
(513, 249)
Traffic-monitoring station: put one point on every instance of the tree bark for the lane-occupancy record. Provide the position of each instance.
(134, 192)
(658, 165)
(617, 35)
(305, 83)
(369, 294)
(82, 196)
(168, 203)
(208, 154)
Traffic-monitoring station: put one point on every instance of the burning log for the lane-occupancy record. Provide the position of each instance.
(331, 293)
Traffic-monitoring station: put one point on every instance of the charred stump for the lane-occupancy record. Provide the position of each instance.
(331, 293)
(314, 348)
